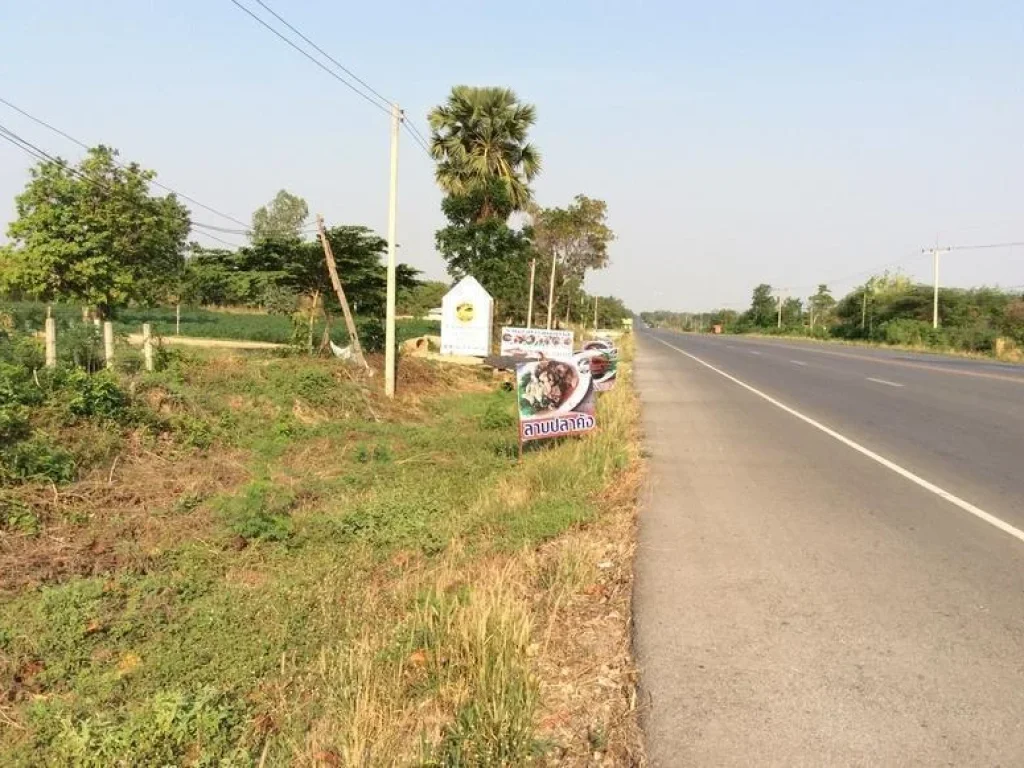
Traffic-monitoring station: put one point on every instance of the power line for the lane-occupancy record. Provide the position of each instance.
(121, 165)
(979, 247)
(313, 59)
(414, 135)
(23, 145)
(214, 237)
(418, 137)
(328, 56)
(42, 155)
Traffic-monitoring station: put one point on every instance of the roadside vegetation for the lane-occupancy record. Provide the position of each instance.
(239, 559)
(888, 309)
(254, 559)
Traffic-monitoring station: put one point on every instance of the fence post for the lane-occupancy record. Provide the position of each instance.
(147, 345)
(51, 342)
(108, 343)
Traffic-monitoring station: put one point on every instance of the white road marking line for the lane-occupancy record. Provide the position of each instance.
(883, 381)
(942, 493)
(798, 362)
(752, 351)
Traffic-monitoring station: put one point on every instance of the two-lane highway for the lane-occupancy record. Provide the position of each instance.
(831, 562)
(954, 421)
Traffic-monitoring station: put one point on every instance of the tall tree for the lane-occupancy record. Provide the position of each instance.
(574, 239)
(480, 134)
(488, 249)
(792, 311)
(821, 305)
(281, 219)
(762, 312)
(94, 233)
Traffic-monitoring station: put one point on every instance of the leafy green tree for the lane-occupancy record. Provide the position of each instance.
(251, 274)
(611, 311)
(488, 249)
(792, 312)
(763, 307)
(480, 134)
(577, 239)
(282, 218)
(95, 234)
(821, 305)
(422, 298)
(1013, 320)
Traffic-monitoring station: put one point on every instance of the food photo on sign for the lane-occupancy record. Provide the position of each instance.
(601, 364)
(537, 343)
(556, 398)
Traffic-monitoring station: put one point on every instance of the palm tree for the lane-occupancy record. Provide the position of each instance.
(479, 135)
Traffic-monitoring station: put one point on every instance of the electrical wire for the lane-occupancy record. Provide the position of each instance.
(212, 236)
(119, 164)
(979, 247)
(320, 64)
(418, 137)
(326, 55)
(23, 145)
(44, 156)
(415, 137)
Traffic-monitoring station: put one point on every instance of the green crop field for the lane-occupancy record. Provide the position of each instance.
(213, 324)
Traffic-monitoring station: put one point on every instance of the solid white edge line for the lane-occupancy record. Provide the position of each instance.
(883, 381)
(966, 506)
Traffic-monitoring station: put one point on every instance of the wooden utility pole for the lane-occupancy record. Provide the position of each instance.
(529, 307)
(332, 268)
(595, 314)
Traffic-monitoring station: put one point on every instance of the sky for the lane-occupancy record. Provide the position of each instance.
(736, 143)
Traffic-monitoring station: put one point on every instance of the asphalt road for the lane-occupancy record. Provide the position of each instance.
(830, 568)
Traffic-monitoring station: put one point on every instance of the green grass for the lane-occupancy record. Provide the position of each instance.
(284, 616)
(206, 323)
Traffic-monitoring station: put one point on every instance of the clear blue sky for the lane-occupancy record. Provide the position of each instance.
(735, 142)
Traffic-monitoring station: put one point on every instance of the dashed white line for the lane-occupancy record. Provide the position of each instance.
(752, 351)
(942, 493)
(798, 362)
(883, 381)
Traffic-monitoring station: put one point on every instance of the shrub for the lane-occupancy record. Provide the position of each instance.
(94, 395)
(911, 333)
(262, 512)
(36, 459)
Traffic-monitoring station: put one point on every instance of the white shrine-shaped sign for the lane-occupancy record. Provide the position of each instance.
(467, 313)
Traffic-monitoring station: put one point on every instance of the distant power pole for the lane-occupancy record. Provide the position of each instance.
(780, 310)
(935, 290)
(529, 306)
(389, 319)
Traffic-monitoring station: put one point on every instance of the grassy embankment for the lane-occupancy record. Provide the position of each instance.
(267, 563)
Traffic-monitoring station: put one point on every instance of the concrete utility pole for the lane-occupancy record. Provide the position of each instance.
(780, 310)
(529, 306)
(551, 286)
(595, 313)
(935, 252)
(389, 323)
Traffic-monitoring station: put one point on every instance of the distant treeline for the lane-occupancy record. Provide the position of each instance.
(888, 309)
